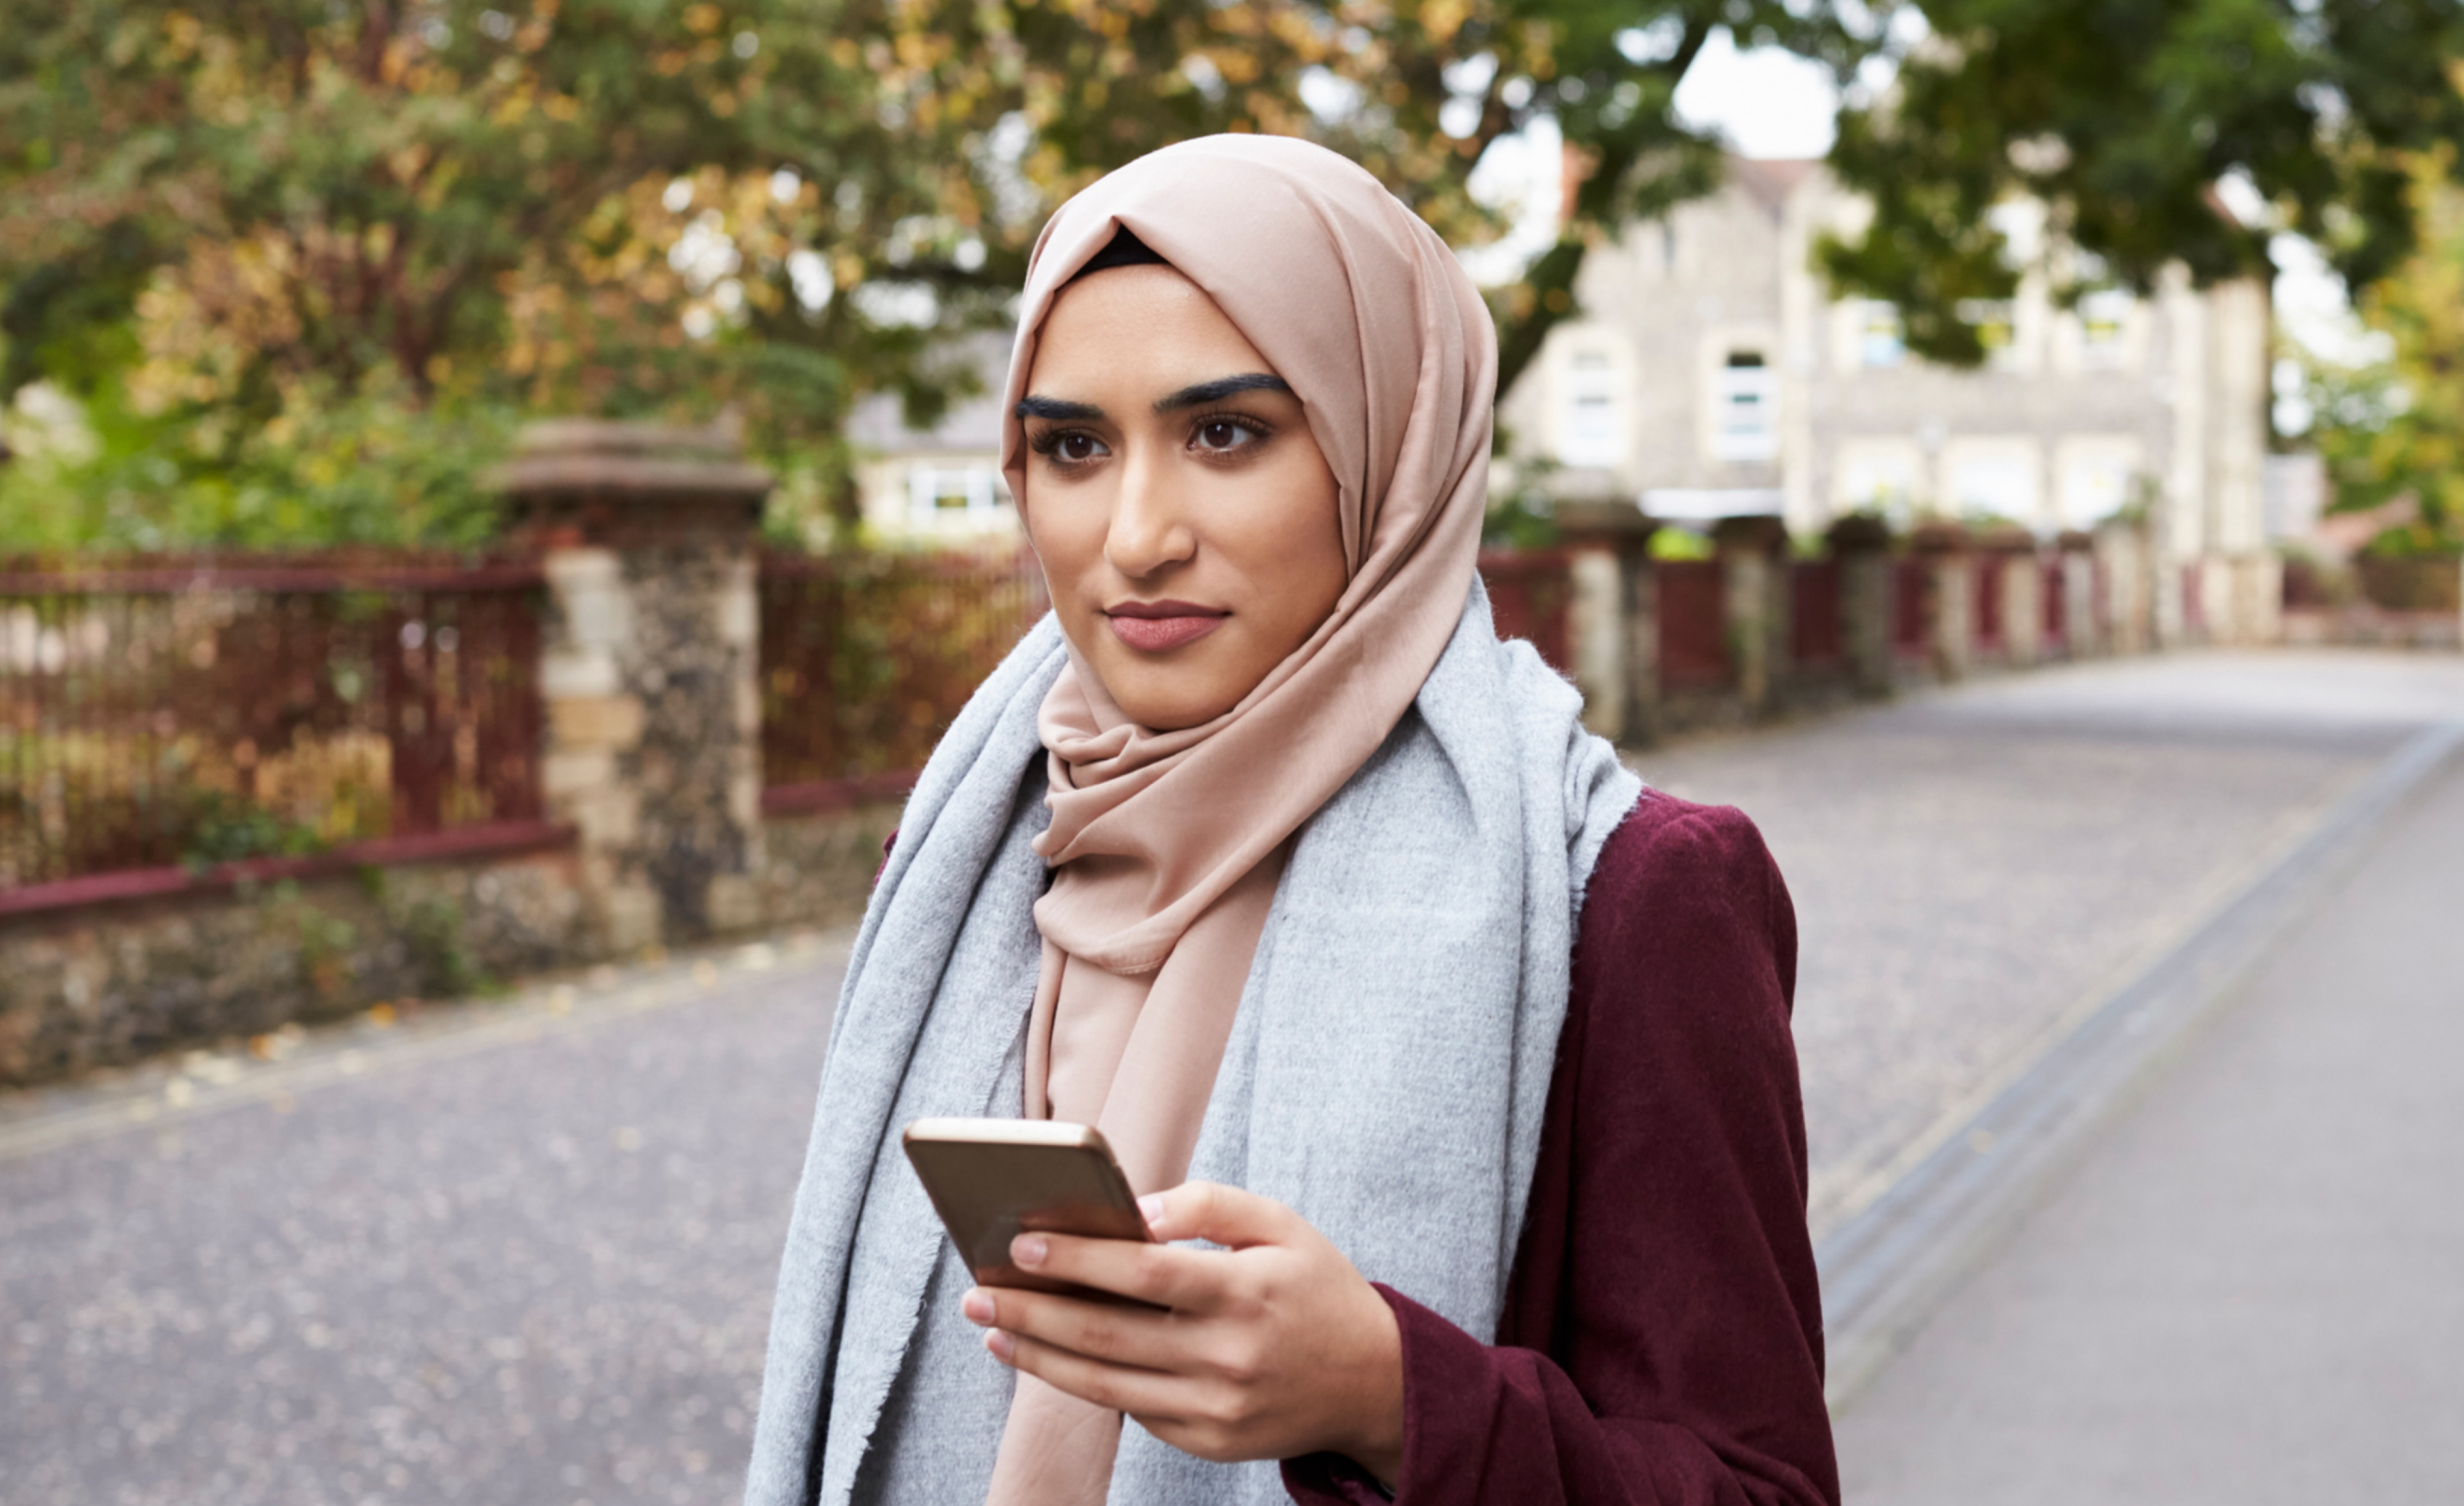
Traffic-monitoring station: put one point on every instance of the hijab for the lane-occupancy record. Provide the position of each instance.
(1165, 846)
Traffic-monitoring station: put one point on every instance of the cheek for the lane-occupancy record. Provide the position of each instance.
(1284, 533)
(1066, 527)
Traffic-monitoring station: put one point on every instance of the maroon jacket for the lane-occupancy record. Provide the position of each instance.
(1663, 1335)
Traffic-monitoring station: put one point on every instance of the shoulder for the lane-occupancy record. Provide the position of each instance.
(1672, 852)
(1686, 904)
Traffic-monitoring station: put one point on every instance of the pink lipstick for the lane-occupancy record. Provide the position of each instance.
(1155, 626)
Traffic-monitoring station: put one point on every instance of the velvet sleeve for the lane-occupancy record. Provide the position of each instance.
(1662, 1338)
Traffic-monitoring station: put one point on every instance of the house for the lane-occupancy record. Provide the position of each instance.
(1707, 373)
(940, 486)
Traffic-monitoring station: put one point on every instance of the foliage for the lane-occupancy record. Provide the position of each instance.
(1418, 90)
(1523, 516)
(2127, 118)
(327, 467)
(2395, 428)
(280, 212)
(430, 217)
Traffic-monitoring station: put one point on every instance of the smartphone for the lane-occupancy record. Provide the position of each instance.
(994, 1179)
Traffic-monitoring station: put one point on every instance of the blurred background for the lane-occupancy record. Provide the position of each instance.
(496, 504)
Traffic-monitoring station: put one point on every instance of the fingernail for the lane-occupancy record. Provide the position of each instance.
(1150, 1207)
(1001, 1344)
(1029, 1250)
(979, 1306)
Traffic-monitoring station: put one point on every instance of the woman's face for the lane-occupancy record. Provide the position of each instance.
(1184, 514)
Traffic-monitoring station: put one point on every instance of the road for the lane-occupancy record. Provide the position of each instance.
(522, 1250)
(2248, 1292)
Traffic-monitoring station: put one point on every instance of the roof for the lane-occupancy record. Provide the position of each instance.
(878, 426)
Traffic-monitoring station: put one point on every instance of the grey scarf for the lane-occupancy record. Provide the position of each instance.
(1385, 1078)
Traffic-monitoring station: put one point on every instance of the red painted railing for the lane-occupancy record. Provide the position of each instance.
(1816, 623)
(1985, 602)
(1531, 593)
(164, 718)
(1693, 625)
(1909, 586)
(865, 660)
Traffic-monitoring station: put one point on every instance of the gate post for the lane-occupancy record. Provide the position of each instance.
(1754, 583)
(1950, 596)
(649, 666)
(1862, 543)
(1616, 617)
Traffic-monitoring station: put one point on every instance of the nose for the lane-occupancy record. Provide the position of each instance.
(1149, 530)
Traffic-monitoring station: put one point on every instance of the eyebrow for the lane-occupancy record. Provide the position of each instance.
(1220, 389)
(1192, 395)
(1056, 409)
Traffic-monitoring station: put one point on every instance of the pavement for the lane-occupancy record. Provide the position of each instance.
(522, 1250)
(2250, 1288)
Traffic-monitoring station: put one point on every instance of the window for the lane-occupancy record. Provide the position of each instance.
(954, 496)
(1880, 478)
(1996, 480)
(2095, 482)
(1881, 339)
(1593, 435)
(2104, 329)
(1746, 408)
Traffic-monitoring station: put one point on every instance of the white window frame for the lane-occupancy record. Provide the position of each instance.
(1591, 420)
(975, 483)
(1744, 407)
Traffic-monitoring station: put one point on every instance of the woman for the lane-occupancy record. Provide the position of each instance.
(1457, 1068)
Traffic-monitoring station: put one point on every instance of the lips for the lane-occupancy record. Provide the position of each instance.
(1155, 626)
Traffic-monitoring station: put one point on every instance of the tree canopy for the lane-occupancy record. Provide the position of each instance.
(2138, 123)
(2395, 427)
(306, 265)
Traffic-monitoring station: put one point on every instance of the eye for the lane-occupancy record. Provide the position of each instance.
(1221, 436)
(1067, 446)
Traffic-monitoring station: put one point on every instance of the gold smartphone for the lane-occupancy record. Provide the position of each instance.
(994, 1179)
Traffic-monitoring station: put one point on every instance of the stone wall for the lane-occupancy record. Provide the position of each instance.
(651, 776)
(109, 984)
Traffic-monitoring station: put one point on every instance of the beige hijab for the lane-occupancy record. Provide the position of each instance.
(1166, 846)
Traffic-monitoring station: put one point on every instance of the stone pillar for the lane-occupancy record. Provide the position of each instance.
(2012, 551)
(649, 666)
(1950, 596)
(2260, 578)
(2129, 588)
(2085, 634)
(1753, 589)
(1862, 543)
(1616, 617)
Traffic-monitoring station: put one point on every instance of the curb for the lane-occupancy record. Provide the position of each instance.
(1887, 1270)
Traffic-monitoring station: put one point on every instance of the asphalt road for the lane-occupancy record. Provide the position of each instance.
(2251, 1291)
(523, 1250)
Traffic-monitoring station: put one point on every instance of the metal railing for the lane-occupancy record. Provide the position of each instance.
(166, 716)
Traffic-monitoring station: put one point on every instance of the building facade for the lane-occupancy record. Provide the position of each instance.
(941, 486)
(1708, 375)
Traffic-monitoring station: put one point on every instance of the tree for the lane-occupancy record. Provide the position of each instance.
(2396, 427)
(227, 224)
(243, 228)
(2133, 122)
(1418, 90)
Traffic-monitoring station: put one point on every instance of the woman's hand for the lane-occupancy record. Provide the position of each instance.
(1272, 1347)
